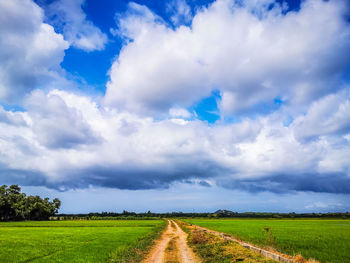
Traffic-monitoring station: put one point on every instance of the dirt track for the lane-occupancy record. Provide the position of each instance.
(172, 247)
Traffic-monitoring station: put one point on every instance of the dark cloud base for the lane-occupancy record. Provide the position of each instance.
(336, 183)
(138, 178)
(22, 177)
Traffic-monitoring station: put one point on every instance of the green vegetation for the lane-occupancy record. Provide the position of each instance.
(321, 239)
(77, 241)
(217, 214)
(15, 205)
(213, 249)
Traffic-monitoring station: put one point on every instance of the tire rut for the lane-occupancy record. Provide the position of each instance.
(172, 247)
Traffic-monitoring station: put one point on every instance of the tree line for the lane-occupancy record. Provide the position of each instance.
(217, 214)
(16, 206)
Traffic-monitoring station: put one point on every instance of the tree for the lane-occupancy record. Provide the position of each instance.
(12, 203)
(15, 205)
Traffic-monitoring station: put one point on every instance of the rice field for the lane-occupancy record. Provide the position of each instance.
(320, 239)
(77, 241)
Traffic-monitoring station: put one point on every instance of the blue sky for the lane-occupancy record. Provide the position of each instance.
(177, 105)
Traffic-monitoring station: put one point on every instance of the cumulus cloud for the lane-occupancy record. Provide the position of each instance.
(144, 135)
(251, 57)
(30, 50)
(80, 32)
(59, 131)
(72, 142)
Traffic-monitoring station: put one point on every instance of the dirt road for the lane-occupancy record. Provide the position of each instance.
(172, 247)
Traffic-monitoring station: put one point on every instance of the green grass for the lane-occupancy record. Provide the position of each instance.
(323, 240)
(77, 241)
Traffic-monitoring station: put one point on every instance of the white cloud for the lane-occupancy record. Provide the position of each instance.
(323, 205)
(179, 112)
(74, 142)
(77, 30)
(65, 140)
(55, 124)
(143, 79)
(180, 12)
(12, 118)
(30, 50)
(330, 115)
(250, 57)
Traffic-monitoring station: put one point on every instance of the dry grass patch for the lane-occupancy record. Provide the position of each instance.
(213, 249)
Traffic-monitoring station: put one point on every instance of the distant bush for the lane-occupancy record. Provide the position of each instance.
(16, 206)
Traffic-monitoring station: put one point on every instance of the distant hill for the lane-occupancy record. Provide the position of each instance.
(224, 212)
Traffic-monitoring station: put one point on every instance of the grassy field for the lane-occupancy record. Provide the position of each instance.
(323, 240)
(77, 241)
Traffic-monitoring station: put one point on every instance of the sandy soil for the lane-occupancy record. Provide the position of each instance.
(172, 247)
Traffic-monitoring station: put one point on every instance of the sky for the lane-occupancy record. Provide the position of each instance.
(177, 105)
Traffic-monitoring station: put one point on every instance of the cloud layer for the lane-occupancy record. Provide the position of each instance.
(251, 55)
(145, 135)
(75, 143)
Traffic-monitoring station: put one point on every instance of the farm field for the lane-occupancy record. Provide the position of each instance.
(323, 240)
(77, 241)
